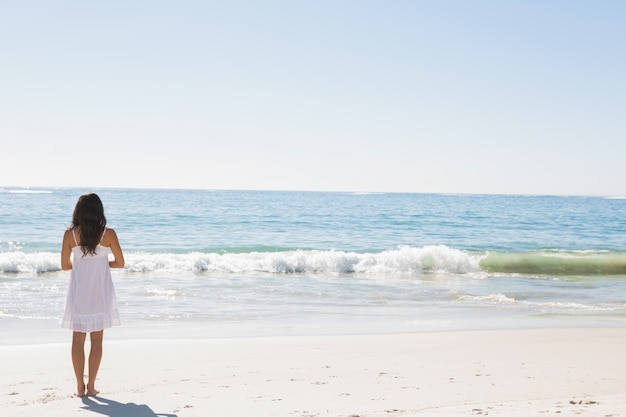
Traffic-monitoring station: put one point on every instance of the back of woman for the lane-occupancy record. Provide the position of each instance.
(91, 304)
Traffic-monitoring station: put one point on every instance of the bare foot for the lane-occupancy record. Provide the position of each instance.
(80, 392)
(91, 392)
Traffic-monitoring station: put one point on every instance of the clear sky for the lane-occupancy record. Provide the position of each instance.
(444, 96)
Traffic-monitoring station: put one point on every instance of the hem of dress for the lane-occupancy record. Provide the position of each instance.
(90, 327)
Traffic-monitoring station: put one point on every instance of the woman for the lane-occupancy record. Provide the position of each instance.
(91, 305)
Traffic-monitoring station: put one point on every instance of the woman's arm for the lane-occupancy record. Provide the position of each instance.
(116, 249)
(66, 251)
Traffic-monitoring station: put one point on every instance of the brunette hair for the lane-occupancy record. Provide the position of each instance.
(89, 216)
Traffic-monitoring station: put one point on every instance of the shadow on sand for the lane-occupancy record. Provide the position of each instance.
(112, 408)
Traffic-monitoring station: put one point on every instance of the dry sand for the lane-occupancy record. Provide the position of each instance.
(470, 373)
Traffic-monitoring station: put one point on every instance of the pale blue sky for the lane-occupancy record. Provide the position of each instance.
(442, 96)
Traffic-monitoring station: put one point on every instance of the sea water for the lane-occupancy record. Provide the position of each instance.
(213, 263)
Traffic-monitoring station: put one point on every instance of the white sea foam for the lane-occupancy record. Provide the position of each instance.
(504, 300)
(404, 260)
(489, 298)
(21, 262)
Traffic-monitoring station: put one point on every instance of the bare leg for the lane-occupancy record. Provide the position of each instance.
(95, 356)
(78, 360)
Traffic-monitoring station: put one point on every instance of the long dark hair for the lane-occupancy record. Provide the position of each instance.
(89, 215)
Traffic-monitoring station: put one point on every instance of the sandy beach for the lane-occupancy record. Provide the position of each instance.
(495, 372)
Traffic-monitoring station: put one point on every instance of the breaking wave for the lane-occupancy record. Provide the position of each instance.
(402, 260)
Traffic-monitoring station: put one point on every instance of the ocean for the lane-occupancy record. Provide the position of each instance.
(216, 263)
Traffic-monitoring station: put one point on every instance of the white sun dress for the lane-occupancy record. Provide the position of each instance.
(91, 304)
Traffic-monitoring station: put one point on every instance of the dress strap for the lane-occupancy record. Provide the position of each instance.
(102, 237)
(74, 234)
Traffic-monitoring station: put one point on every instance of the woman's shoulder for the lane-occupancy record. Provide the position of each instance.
(69, 234)
(108, 230)
(108, 236)
(71, 238)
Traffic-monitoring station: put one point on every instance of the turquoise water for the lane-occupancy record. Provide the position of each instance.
(256, 262)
